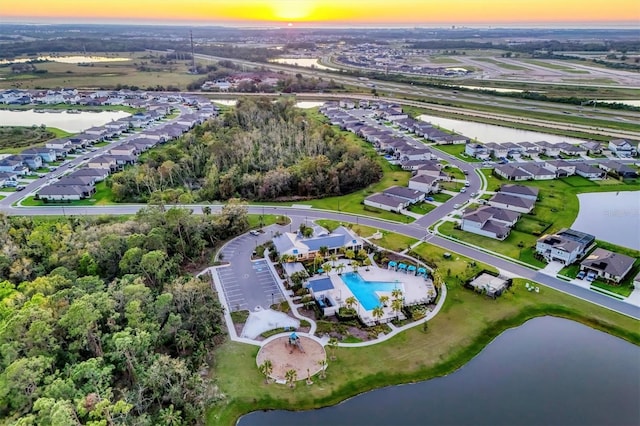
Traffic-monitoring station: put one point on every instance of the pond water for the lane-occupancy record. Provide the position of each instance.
(611, 216)
(77, 59)
(302, 62)
(72, 123)
(549, 371)
(492, 133)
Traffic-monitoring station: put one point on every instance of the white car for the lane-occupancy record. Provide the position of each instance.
(463, 189)
(467, 183)
(254, 232)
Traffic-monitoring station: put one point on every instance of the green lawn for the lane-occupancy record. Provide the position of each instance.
(454, 172)
(508, 247)
(102, 196)
(256, 220)
(390, 240)
(622, 290)
(451, 186)
(457, 151)
(421, 208)
(555, 66)
(464, 326)
(2, 197)
(101, 144)
(443, 60)
(441, 197)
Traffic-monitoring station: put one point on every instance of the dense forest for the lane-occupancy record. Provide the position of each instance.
(100, 323)
(259, 150)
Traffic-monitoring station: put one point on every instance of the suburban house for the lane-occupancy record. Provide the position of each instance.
(32, 161)
(386, 202)
(476, 150)
(432, 169)
(48, 155)
(489, 221)
(60, 193)
(607, 264)
(425, 183)
(59, 144)
(294, 244)
(590, 172)
(592, 147)
(510, 172)
(98, 175)
(510, 202)
(102, 162)
(565, 246)
(8, 179)
(83, 183)
(521, 191)
(537, 172)
(549, 149)
(497, 150)
(618, 169)
(412, 196)
(13, 165)
(622, 147)
(561, 168)
(572, 150)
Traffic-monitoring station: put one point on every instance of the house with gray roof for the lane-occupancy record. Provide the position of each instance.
(412, 196)
(623, 148)
(61, 193)
(561, 168)
(295, 244)
(607, 264)
(592, 147)
(477, 150)
(386, 202)
(618, 169)
(536, 171)
(98, 175)
(590, 172)
(565, 246)
(511, 172)
(510, 202)
(425, 183)
(522, 191)
(489, 221)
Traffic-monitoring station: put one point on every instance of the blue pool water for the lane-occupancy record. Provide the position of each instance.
(364, 291)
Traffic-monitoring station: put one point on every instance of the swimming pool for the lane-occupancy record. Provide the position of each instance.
(365, 291)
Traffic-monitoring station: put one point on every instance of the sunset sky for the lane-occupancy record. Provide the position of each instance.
(338, 12)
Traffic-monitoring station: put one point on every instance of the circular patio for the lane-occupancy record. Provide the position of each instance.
(285, 357)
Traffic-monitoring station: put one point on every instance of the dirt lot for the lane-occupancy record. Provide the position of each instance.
(284, 357)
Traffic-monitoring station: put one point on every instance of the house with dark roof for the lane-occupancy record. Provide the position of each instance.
(565, 246)
(98, 175)
(61, 193)
(48, 155)
(618, 169)
(549, 149)
(590, 172)
(572, 150)
(489, 221)
(411, 195)
(536, 171)
(561, 168)
(510, 202)
(623, 148)
(386, 202)
(497, 150)
(425, 183)
(8, 179)
(592, 147)
(295, 244)
(477, 150)
(529, 192)
(607, 264)
(511, 172)
(13, 165)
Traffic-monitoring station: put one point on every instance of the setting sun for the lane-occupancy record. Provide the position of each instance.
(296, 10)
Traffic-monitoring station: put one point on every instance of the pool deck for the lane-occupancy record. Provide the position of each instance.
(415, 289)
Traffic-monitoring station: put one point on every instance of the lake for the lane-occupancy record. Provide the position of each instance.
(492, 133)
(611, 216)
(72, 123)
(302, 62)
(549, 371)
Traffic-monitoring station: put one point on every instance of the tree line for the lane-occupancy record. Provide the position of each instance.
(259, 150)
(100, 324)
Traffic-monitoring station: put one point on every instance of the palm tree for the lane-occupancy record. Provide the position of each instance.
(327, 267)
(333, 258)
(349, 254)
(355, 265)
(396, 293)
(362, 253)
(318, 258)
(384, 299)
(323, 250)
(323, 368)
(396, 306)
(266, 368)
(333, 344)
(291, 376)
(367, 262)
(350, 301)
(340, 268)
(377, 313)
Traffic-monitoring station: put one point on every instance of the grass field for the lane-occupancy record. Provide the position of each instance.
(102, 75)
(464, 326)
(457, 151)
(441, 197)
(555, 66)
(421, 208)
(15, 139)
(443, 60)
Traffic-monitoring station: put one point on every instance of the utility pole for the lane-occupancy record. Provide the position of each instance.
(193, 55)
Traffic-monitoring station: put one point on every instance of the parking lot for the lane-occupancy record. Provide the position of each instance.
(247, 284)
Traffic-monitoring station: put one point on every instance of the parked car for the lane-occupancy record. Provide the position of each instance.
(591, 276)
(20, 187)
(428, 198)
(457, 206)
(463, 189)
(581, 275)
